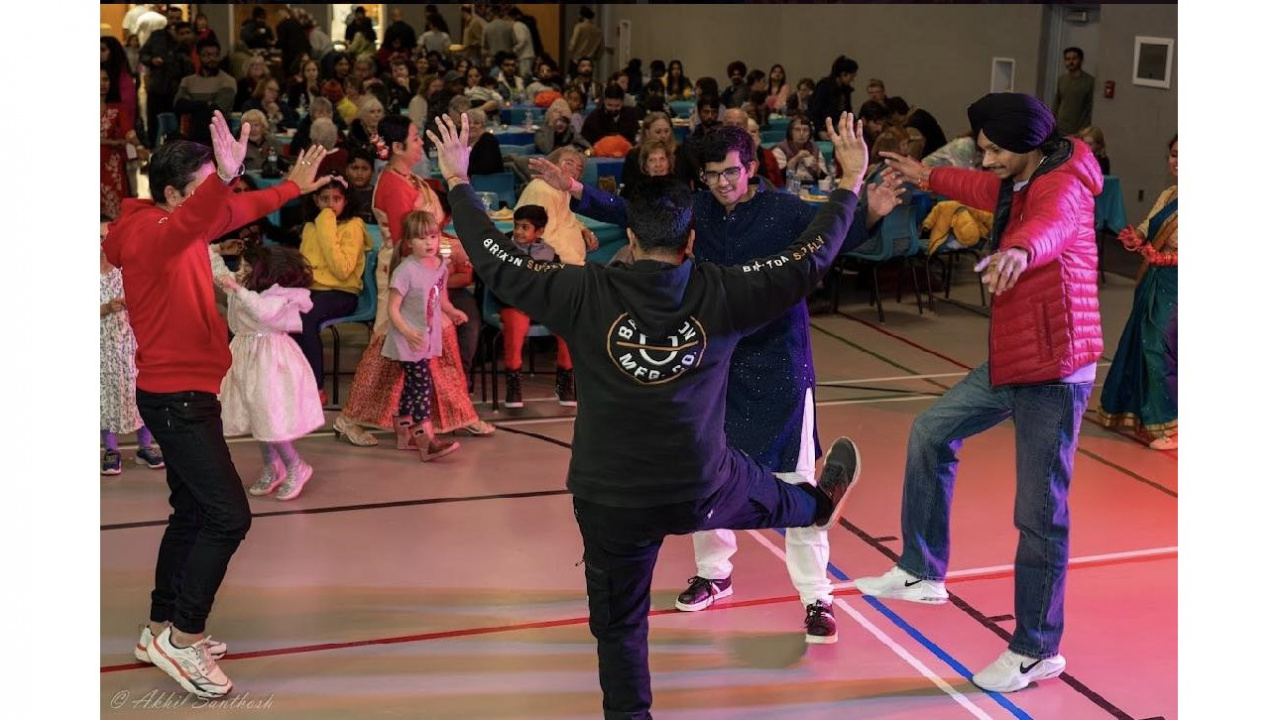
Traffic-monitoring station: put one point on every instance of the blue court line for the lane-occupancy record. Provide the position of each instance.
(943, 655)
(830, 567)
(932, 647)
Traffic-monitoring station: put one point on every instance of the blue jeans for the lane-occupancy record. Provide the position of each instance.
(1046, 419)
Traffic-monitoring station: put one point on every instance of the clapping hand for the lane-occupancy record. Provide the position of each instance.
(914, 171)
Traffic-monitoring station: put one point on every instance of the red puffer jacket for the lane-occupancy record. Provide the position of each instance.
(1049, 325)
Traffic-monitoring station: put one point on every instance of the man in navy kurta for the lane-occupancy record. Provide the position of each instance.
(770, 413)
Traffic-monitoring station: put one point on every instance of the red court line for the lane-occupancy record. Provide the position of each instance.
(564, 622)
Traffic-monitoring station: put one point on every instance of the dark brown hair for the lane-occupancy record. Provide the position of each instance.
(277, 266)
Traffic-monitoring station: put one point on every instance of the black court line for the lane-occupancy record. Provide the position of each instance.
(367, 506)
(989, 623)
(539, 436)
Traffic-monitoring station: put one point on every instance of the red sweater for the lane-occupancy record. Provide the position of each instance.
(168, 281)
(1049, 325)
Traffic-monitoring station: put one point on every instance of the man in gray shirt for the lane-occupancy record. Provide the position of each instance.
(208, 89)
(1073, 105)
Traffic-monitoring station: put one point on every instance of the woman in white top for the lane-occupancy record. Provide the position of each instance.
(564, 232)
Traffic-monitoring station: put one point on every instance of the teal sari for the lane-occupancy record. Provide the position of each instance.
(1141, 387)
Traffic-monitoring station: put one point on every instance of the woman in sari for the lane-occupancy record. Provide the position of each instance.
(1141, 388)
(375, 392)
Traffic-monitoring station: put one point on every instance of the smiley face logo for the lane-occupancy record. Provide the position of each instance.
(655, 360)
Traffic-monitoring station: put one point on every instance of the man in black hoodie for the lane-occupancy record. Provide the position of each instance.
(652, 342)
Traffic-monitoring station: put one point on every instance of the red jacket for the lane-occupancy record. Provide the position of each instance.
(168, 281)
(1049, 325)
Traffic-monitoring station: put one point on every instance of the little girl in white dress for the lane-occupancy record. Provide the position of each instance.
(269, 391)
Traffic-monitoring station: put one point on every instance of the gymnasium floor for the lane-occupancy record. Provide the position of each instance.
(451, 590)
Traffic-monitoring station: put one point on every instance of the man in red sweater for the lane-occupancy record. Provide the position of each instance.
(1045, 340)
(161, 248)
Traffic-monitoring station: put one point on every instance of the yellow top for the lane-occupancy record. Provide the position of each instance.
(336, 252)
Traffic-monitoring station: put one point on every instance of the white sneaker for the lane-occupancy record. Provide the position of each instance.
(192, 667)
(271, 477)
(898, 584)
(216, 648)
(1011, 672)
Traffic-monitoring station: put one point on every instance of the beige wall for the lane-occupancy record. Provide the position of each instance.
(936, 56)
(1139, 121)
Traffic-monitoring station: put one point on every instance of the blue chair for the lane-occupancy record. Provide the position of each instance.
(772, 137)
(896, 238)
(365, 309)
(491, 313)
(165, 124)
(502, 183)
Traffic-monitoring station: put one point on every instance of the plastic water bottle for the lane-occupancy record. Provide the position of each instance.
(528, 119)
(271, 167)
(792, 182)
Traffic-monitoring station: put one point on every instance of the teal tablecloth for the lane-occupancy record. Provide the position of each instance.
(1110, 212)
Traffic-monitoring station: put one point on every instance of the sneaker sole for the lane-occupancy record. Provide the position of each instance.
(821, 639)
(705, 603)
(512, 405)
(852, 483)
(160, 660)
(269, 489)
(112, 472)
(568, 403)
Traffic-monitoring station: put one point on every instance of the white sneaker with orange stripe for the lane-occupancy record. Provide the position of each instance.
(193, 667)
(217, 648)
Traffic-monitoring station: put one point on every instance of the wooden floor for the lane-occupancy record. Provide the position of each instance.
(452, 590)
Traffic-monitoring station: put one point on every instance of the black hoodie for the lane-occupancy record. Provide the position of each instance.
(651, 345)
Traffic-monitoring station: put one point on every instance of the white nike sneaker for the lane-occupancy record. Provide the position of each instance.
(1012, 672)
(898, 584)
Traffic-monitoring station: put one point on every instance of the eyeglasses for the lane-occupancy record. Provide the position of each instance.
(711, 177)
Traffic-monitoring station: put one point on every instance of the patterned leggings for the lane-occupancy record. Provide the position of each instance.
(416, 398)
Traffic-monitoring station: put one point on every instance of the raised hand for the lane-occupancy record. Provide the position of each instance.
(453, 146)
(228, 151)
(303, 171)
(913, 170)
(850, 149)
(1003, 269)
(550, 173)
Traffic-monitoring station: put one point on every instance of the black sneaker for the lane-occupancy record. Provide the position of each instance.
(514, 390)
(843, 465)
(565, 388)
(702, 592)
(821, 624)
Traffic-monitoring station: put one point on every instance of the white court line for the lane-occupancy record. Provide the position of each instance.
(909, 377)
(1074, 562)
(879, 635)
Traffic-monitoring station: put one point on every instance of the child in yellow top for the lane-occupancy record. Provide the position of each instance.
(335, 243)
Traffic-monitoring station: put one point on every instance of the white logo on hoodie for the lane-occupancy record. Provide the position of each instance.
(655, 360)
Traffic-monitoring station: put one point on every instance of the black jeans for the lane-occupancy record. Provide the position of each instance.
(210, 509)
(325, 305)
(468, 333)
(621, 546)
